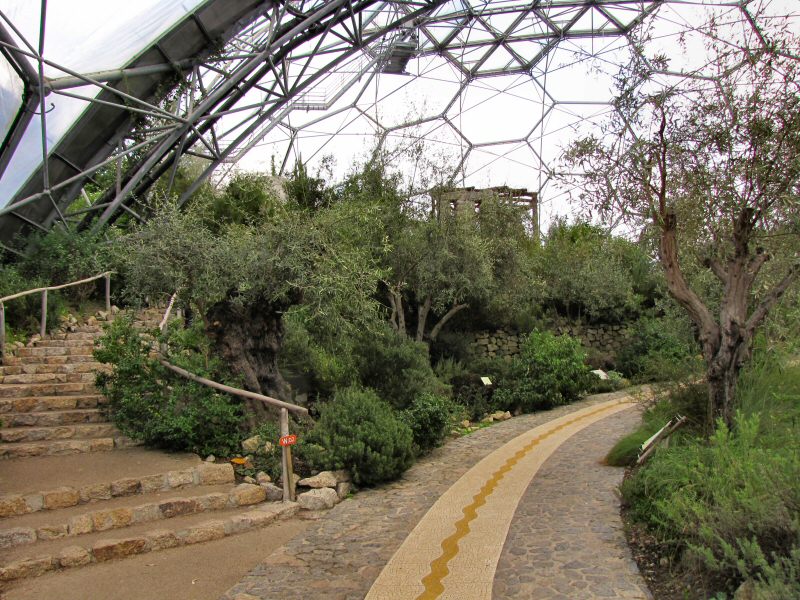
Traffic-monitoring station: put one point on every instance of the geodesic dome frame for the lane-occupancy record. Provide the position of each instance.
(219, 80)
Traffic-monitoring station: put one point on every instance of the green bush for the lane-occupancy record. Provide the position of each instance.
(397, 368)
(660, 350)
(360, 432)
(472, 395)
(549, 371)
(154, 405)
(614, 382)
(429, 418)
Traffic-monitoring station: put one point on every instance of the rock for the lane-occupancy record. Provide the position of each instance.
(252, 444)
(600, 374)
(51, 532)
(80, 524)
(246, 494)
(114, 309)
(161, 539)
(465, 423)
(62, 497)
(746, 591)
(102, 315)
(487, 419)
(125, 487)
(274, 493)
(74, 556)
(216, 501)
(177, 479)
(179, 507)
(211, 458)
(245, 597)
(152, 483)
(98, 491)
(12, 505)
(268, 447)
(213, 474)
(17, 536)
(205, 532)
(110, 549)
(318, 499)
(342, 475)
(249, 480)
(501, 416)
(111, 519)
(343, 489)
(28, 567)
(325, 479)
(262, 478)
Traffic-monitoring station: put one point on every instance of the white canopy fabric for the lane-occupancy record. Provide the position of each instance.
(85, 36)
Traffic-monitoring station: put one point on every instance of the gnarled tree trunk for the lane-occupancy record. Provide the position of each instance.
(249, 338)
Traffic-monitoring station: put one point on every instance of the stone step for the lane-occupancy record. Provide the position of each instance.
(14, 435)
(90, 336)
(54, 351)
(132, 484)
(64, 447)
(87, 376)
(37, 368)
(47, 403)
(58, 359)
(31, 561)
(64, 343)
(54, 418)
(25, 390)
(120, 513)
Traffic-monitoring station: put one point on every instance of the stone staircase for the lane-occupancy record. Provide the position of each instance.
(74, 491)
(48, 401)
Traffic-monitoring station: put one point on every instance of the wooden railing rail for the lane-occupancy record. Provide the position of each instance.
(43, 291)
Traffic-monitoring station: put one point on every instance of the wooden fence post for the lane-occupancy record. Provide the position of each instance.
(286, 460)
(108, 295)
(2, 333)
(43, 329)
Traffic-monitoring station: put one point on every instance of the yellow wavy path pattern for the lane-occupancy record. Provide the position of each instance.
(430, 554)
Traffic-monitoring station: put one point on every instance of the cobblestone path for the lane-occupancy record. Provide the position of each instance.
(566, 539)
(341, 555)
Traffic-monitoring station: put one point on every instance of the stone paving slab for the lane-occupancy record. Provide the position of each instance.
(340, 557)
(566, 540)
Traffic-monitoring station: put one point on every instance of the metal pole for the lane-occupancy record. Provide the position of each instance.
(43, 329)
(108, 295)
(2, 333)
(285, 470)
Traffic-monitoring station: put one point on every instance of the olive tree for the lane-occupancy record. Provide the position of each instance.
(240, 278)
(712, 168)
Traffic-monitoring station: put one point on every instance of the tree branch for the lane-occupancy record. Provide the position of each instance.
(760, 313)
(422, 316)
(449, 315)
(717, 268)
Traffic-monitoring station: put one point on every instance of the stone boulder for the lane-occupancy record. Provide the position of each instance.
(252, 444)
(318, 499)
(325, 479)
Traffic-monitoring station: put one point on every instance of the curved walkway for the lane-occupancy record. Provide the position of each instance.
(442, 529)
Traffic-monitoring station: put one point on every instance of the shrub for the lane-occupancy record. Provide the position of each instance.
(548, 372)
(397, 368)
(614, 382)
(660, 350)
(151, 404)
(429, 418)
(360, 432)
(472, 395)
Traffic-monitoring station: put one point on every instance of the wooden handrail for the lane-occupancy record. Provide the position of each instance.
(232, 390)
(55, 287)
(43, 291)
